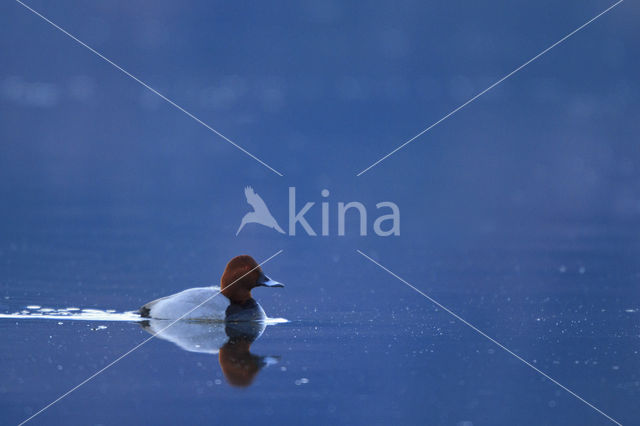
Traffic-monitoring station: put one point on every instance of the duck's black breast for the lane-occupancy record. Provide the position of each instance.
(247, 311)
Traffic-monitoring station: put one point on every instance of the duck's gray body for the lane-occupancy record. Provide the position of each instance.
(202, 304)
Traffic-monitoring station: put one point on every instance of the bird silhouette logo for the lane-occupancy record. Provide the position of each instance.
(260, 213)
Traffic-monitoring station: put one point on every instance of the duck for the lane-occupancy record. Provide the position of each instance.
(241, 275)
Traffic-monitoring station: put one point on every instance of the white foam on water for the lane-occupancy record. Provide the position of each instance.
(274, 321)
(77, 314)
(74, 314)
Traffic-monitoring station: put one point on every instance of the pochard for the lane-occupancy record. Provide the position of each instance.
(241, 275)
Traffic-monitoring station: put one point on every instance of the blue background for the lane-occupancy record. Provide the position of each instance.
(521, 212)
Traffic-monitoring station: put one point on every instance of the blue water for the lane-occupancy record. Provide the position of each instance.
(520, 213)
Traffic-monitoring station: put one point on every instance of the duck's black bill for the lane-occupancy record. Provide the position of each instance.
(265, 281)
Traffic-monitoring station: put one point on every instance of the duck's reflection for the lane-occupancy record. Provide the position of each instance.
(231, 341)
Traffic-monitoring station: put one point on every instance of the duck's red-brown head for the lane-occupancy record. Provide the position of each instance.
(241, 275)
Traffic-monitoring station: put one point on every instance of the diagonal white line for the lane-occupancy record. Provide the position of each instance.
(489, 88)
(482, 333)
(172, 103)
(139, 345)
